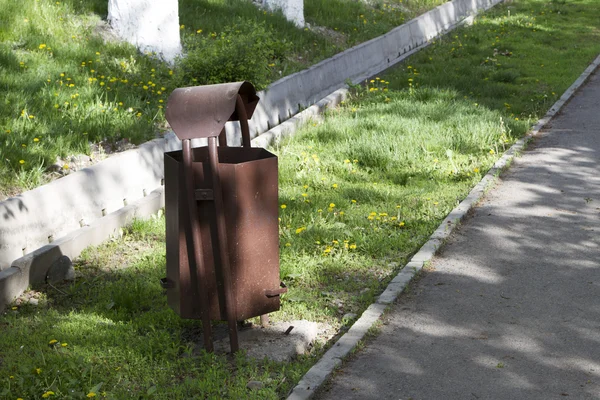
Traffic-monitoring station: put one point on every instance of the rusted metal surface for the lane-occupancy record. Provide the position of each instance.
(250, 196)
(221, 213)
(193, 243)
(202, 111)
(243, 118)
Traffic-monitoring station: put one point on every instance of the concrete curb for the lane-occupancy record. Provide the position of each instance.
(290, 126)
(321, 371)
(32, 268)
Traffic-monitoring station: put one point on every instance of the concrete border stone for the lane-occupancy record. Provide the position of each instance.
(321, 371)
(32, 269)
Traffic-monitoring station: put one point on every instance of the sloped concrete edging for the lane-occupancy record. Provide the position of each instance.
(32, 268)
(320, 372)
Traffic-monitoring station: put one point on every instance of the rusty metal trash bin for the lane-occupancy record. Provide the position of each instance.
(221, 210)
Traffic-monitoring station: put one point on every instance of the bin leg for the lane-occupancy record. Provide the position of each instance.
(264, 320)
(194, 246)
(230, 305)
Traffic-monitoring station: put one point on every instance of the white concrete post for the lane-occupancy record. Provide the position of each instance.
(152, 26)
(292, 9)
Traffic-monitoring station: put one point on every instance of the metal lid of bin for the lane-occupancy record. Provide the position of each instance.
(202, 111)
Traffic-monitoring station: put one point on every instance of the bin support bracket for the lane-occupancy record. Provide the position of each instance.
(213, 156)
(204, 194)
(194, 245)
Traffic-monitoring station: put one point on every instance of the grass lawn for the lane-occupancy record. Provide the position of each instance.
(359, 193)
(65, 87)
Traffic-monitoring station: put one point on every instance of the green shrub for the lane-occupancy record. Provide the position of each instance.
(245, 51)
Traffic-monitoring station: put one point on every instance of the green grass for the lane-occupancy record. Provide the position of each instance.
(63, 87)
(111, 333)
(359, 194)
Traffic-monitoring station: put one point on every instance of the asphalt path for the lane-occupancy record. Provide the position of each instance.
(510, 308)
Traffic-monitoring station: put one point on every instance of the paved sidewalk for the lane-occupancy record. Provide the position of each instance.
(511, 309)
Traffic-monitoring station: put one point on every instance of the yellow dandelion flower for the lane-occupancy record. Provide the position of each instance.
(353, 246)
(283, 206)
(331, 205)
(22, 162)
(64, 344)
(353, 201)
(53, 341)
(42, 46)
(335, 185)
(91, 394)
(36, 139)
